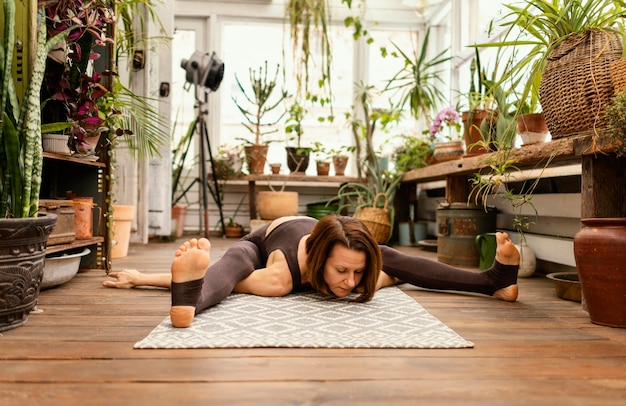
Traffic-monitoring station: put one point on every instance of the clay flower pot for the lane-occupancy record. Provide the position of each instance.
(532, 128)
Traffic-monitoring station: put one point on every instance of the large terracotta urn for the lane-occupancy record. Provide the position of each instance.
(600, 254)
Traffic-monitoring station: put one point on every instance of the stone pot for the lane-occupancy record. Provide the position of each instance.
(22, 255)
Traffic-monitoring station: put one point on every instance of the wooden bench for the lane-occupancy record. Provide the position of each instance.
(603, 176)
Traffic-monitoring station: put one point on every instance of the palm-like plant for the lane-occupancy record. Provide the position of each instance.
(419, 80)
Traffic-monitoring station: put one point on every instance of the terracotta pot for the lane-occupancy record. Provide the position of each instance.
(255, 158)
(122, 221)
(600, 254)
(340, 162)
(471, 131)
(532, 128)
(323, 168)
(233, 232)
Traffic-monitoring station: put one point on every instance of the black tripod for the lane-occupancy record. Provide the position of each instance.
(200, 128)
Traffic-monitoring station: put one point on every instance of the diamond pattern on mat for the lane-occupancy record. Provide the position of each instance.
(390, 320)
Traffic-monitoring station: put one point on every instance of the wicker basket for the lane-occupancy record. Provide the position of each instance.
(576, 85)
(376, 219)
(618, 74)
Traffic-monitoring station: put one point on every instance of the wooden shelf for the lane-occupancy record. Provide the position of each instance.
(68, 158)
(558, 152)
(602, 173)
(51, 249)
(300, 178)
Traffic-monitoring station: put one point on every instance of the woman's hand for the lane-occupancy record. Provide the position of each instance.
(124, 279)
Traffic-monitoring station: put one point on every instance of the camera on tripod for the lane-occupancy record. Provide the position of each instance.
(203, 70)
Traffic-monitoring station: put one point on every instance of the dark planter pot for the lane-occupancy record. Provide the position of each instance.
(298, 159)
(22, 252)
(600, 254)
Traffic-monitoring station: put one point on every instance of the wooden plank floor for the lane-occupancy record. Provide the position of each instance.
(77, 349)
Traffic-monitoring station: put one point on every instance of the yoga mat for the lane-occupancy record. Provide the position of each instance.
(391, 319)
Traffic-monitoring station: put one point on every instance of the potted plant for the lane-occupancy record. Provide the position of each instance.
(419, 80)
(297, 156)
(555, 39)
(260, 101)
(234, 229)
(414, 152)
(24, 231)
(340, 157)
(364, 120)
(444, 131)
(84, 101)
(322, 158)
(309, 23)
(378, 194)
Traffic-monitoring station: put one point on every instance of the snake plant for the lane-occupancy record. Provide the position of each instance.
(21, 157)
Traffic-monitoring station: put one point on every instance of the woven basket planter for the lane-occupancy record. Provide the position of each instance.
(376, 219)
(576, 85)
(618, 74)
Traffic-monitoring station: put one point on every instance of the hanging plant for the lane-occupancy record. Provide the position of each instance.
(309, 21)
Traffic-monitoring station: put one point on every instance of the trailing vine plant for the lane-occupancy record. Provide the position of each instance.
(309, 22)
(498, 183)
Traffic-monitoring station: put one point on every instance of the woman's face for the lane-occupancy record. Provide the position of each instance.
(344, 270)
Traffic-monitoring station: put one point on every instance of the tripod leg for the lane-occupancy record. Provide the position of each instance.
(216, 196)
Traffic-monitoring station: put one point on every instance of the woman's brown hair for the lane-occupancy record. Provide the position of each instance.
(352, 234)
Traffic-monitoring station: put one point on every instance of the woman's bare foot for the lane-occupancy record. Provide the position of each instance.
(506, 254)
(190, 263)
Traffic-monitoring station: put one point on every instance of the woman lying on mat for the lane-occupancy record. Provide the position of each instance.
(334, 256)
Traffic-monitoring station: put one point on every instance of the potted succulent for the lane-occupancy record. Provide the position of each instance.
(24, 231)
(260, 100)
